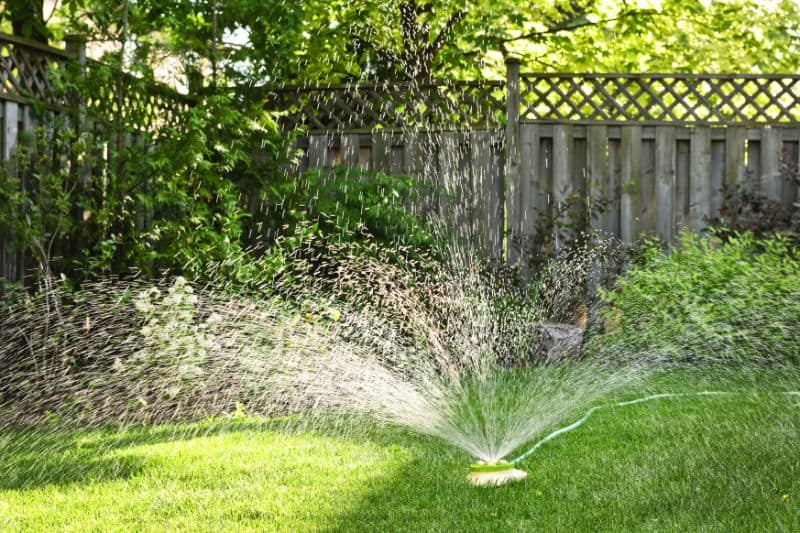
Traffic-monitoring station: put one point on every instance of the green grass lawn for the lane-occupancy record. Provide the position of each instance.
(711, 463)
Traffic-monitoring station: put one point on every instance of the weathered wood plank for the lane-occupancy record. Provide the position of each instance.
(497, 215)
(630, 201)
(578, 214)
(614, 187)
(317, 151)
(544, 197)
(10, 131)
(717, 177)
(790, 189)
(597, 177)
(454, 205)
(734, 157)
(770, 178)
(700, 178)
(480, 201)
(521, 201)
(680, 206)
(647, 188)
(665, 158)
(381, 151)
(562, 179)
(348, 147)
(753, 172)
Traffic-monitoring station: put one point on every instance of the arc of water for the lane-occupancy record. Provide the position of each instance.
(592, 410)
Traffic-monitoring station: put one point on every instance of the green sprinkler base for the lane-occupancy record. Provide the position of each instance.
(492, 474)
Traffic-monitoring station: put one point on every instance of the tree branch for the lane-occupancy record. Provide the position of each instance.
(574, 24)
(433, 48)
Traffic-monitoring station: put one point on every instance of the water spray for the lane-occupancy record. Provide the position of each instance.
(482, 473)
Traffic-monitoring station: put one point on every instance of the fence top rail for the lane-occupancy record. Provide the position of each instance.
(29, 74)
(660, 75)
(39, 47)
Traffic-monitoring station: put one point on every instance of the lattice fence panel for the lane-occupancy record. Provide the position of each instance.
(28, 73)
(34, 73)
(122, 98)
(707, 99)
(466, 104)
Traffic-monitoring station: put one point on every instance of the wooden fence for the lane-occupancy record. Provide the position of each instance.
(626, 153)
(655, 151)
(112, 110)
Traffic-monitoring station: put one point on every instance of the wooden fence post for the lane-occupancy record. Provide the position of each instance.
(76, 47)
(514, 207)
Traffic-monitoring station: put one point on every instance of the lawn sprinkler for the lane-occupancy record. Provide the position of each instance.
(491, 473)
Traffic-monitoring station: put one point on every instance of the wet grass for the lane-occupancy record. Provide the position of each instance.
(696, 463)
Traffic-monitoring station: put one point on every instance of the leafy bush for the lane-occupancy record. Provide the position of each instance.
(313, 222)
(708, 300)
(170, 203)
(747, 211)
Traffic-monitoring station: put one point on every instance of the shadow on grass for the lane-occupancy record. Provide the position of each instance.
(37, 457)
(720, 463)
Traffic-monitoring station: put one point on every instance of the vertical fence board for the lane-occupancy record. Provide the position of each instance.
(544, 198)
(317, 151)
(381, 151)
(453, 209)
(10, 130)
(771, 163)
(396, 155)
(597, 177)
(614, 186)
(700, 177)
(497, 214)
(664, 181)
(578, 214)
(522, 199)
(717, 176)
(562, 176)
(791, 151)
(647, 188)
(412, 156)
(630, 202)
(681, 204)
(753, 173)
(348, 147)
(480, 202)
(735, 138)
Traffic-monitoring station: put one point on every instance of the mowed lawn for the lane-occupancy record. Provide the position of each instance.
(722, 463)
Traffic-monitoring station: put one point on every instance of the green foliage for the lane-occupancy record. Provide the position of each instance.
(335, 40)
(312, 222)
(708, 301)
(130, 203)
(351, 204)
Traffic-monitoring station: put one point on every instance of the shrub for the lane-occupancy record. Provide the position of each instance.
(313, 222)
(708, 300)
